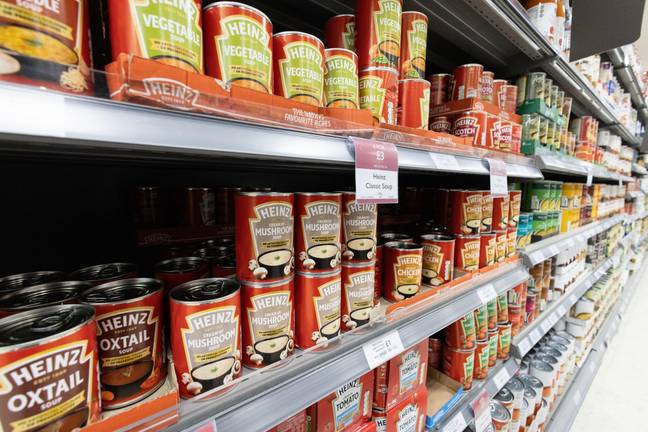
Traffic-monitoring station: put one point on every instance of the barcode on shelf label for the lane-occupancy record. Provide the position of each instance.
(444, 161)
(383, 348)
(535, 335)
(525, 346)
(456, 424)
(487, 293)
(501, 378)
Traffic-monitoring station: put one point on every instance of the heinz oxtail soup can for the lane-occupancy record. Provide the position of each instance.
(169, 31)
(299, 67)
(238, 45)
(205, 332)
(378, 33)
(413, 44)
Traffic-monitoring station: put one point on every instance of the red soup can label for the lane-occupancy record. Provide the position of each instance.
(488, 247)
(461, 334)
(359, 221)
(471, 124)
(458, 364)
(379, 93)
(465, 212)
(357, 294)
(299, 67)
(511, 242)
(130, 339)
(341, 79)
(487, 212)
(317, 308)
(486, 86)
(466, 80)
(48, 369)
(501, 245)
(441, 124)
(467, 252)
(238, 45)
(339, 32)
(264, 235)
(378, 33)
(402, 268)
(317, 234)
(481, 360)
(438, 259)
(205, 334)
(500, 212)
(268, 322)
(413, 45)
(439, 88)
(414, 103)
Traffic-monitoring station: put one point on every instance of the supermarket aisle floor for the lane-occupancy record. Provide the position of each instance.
(618, 397)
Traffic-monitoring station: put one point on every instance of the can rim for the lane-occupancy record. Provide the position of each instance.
(341, 15)
(337, 194)
(358, 264)
(157, 282)
(269, 284)
(470, 65)
(206, 301)
(273, 194)
(218, 3)
(402, 245)
(437, 237)
(326, 50)
(320, 275)
(294, 32)
(379, 68)
(439, 75)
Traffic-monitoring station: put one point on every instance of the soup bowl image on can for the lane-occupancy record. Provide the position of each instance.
(134, 366)
(413, 44)
(38, 296)
(438, 259)
(357, 294)
(238, 45)
(402, 268)
(465, 211)
(205, 334)
(317, 230)
(359, 221)
(317, 307)
(467, 253)
(15, 282)
(378, 32)
(268, 321)
(299, 67)
(103, 273)
(264, 235)
(49, 351)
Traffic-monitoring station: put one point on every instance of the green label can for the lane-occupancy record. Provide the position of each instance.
(413, 45)
(378, 30)
(535, 85)
(340, 78)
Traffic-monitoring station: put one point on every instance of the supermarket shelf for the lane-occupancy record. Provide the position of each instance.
(562, 164)
(462, 413)
(544, 249)
(569, 404)
(70, 124)
(628, 77)
(264, 398)
(634, 195)
(636, 216)
(532, 333)
(638, 169)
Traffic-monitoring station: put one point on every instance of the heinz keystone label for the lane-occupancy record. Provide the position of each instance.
(387, 24)
(169, 29)
(210, 335)
(126, 336)
(346, 404)
(301, 69)
(341, 80)
(408, 370)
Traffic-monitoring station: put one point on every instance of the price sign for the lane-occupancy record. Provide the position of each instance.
(456, 424)
(383, 348)
(444, 161)
(481, 408)
(535, 335)
(376, 172)
(486, 293)
(498, 181)
(525, 346)
(501, 378)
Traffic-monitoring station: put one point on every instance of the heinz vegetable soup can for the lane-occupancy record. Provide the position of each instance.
(379, 93)
(413, 103)
(299, 67)
(378, 30)
(129, 334)
(238, 45)
(413, 45)
(205, 334)
(264, 235)
(341, 78)
(167, 31)
(48, 370)
(339, 32)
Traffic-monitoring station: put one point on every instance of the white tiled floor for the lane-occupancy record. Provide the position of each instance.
(617, 401)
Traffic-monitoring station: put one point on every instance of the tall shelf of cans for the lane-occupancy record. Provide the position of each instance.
(219, 156)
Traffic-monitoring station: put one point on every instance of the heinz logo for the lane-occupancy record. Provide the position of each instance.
(170, 91)
(274, 210)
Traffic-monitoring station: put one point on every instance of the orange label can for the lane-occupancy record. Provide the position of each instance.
(515, 200)
(359, 222)
(238, 45)
(486, 86)
(439, 88)
(473, 125)
(459, 365)
(402, 268)
(480, 370)
(341, 78)
(461, 334)
(500, 212)
(502, 244)
(205, 334)
(481, 322)
(414, 103)
(467, 249)
(357, 294)
(268, 321)
(498, 92)
(466, 80)
(317, 231)
(378, 88)
(318, 299)
(339, 32)
(378, 33)
(441, 124)
(488, 246)
(413, 45)
(465, 212)
(438, 259)
(298, 67)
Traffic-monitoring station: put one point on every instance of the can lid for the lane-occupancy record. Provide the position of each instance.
(232, 3)
(336, 194)
(204, 289)
(504, 395)
(531, 381)
(23, 280)
(43, 295)
(499, 412)
(436, 237)
(327, 50)
(390, 236)
(529, 392)
(515, 385)
(121, 291)
(214, 252)
(179, 265)
(544, 358)
(402, 245)
(265, 193)
(320, 275)
(41, 323)
(101, 272)
(302, 34)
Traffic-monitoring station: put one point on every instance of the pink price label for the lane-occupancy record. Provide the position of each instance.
(481, 409)
(376, 171)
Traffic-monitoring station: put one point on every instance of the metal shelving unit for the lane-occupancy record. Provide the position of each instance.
(264, 398)
(638, 169)
(568, 405)
(629, 79)
(562, 164)
(547, 248)
(532, 333)
(462, 413)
